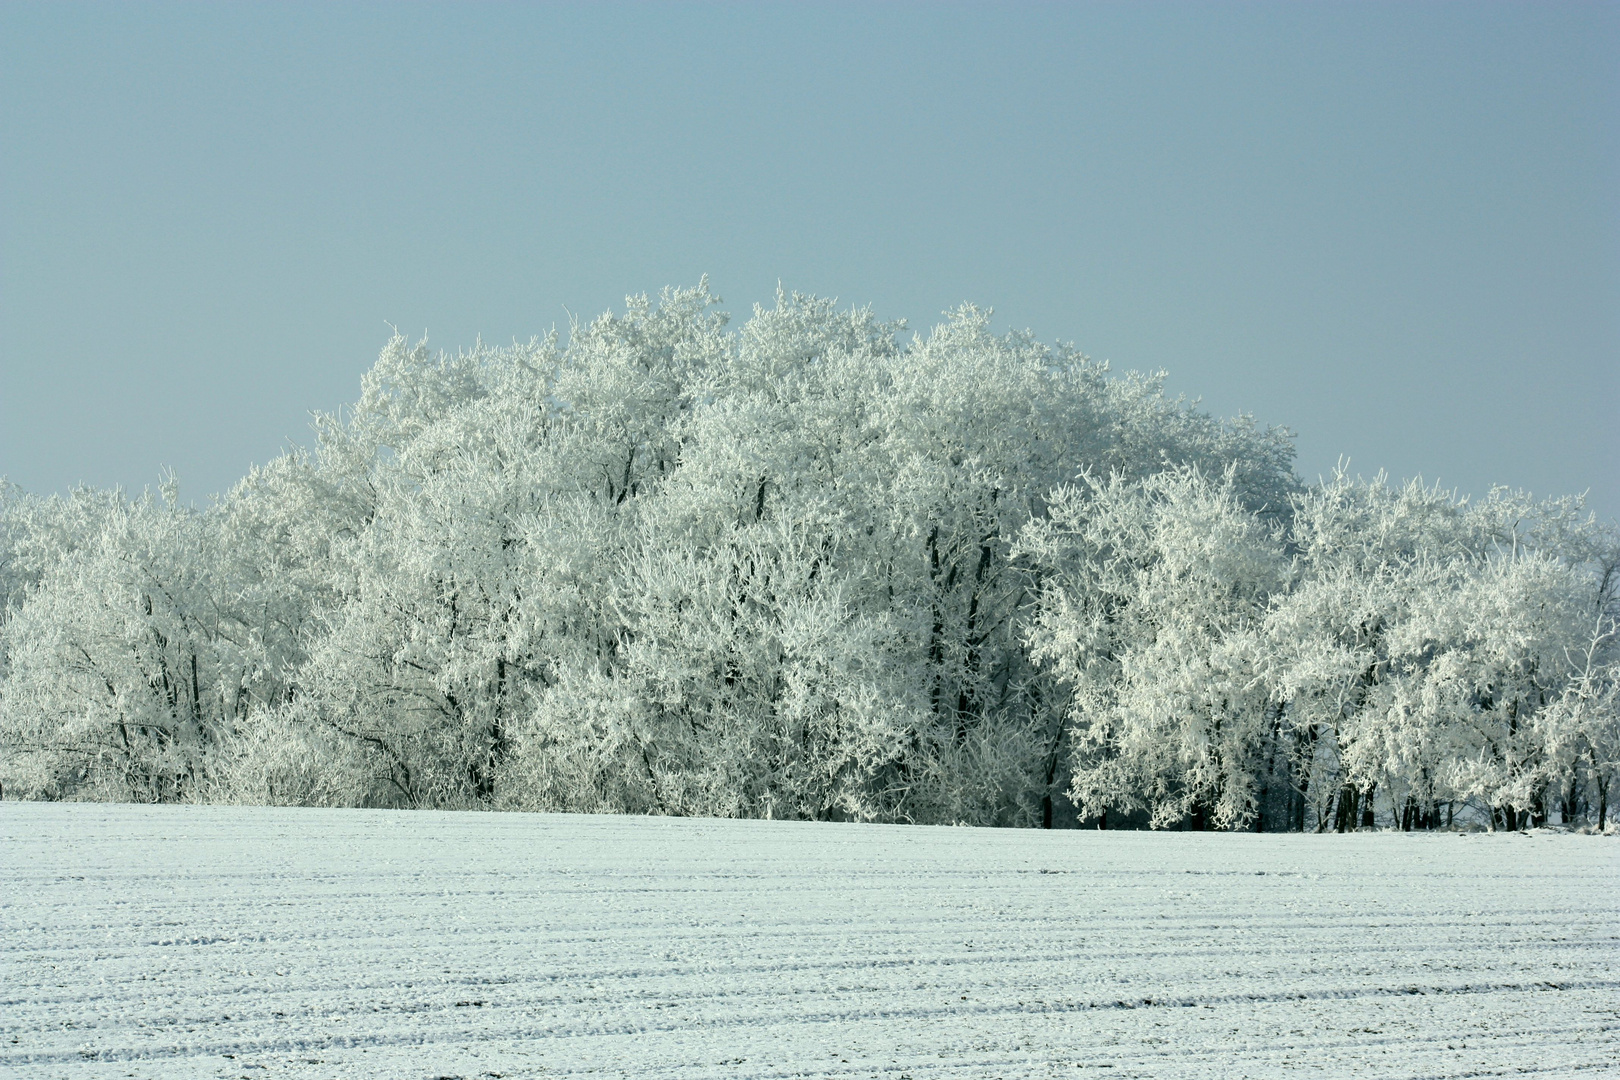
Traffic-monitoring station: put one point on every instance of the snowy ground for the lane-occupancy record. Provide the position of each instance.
(247, 942)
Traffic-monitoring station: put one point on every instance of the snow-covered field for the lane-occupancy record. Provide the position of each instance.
(252, 942)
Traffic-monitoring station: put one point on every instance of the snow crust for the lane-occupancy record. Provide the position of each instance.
(200, 941)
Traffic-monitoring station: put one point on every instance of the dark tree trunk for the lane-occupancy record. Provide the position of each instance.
(1051, 775)
(1344, 819)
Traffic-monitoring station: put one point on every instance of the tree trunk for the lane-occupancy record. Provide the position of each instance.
(1344, 819)
(1051, 774)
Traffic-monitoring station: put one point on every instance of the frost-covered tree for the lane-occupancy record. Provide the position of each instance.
(808, 567)
(1423, 639)
(545, 520)
(1155, 593)
(130, 656)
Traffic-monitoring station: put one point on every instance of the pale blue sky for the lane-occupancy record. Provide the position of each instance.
(1395, 228)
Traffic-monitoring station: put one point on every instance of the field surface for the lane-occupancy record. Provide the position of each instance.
(250, 942)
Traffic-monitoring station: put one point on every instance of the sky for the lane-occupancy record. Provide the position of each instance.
(1394, 229)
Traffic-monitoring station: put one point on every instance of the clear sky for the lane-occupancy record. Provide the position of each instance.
(1395, 229)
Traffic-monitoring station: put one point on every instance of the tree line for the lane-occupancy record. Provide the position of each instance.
(812, 568)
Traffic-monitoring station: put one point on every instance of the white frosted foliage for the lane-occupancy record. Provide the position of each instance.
(811, 567)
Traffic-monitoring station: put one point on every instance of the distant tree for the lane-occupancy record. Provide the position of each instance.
(1156, 590)
(807, 567)
(1424, 637)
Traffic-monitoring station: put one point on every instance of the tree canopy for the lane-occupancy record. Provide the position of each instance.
(811, 568)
